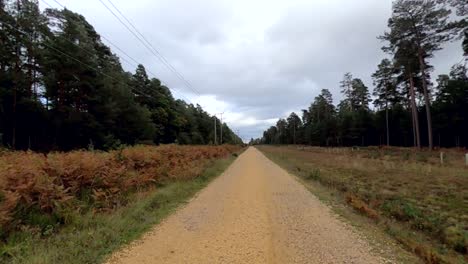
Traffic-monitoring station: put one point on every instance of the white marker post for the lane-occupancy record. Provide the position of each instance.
(466, 159)
(442, 158)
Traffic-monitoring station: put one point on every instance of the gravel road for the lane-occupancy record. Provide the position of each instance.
(254, 213)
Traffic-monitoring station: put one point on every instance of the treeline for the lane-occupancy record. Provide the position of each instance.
(62, 88)
(409, 109)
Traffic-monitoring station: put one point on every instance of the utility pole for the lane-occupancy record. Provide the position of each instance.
(221, 136)
(221, 121)
(214, 130)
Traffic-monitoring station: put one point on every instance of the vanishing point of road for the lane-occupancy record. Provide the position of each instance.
(255, 212)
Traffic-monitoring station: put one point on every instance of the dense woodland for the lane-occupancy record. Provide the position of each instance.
(410, 107)
(62, 88)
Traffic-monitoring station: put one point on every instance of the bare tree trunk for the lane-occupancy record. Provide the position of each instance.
(414, 112)
(388, 128)
(414, 127)
(294, 139)
(13, 129)
(426, 98)
(386, 119)
(16, 81)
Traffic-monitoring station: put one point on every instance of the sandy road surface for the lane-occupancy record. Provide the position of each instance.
(254, 213)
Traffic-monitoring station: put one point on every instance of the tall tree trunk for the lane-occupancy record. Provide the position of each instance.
(426, 97)
(414, 126)
(13, 129)
(16, 78)
(386, 114)
(414, 112)
(388, 127)
(294, 132)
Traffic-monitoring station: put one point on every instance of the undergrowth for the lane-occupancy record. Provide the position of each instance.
(77, 207)
(422, 203)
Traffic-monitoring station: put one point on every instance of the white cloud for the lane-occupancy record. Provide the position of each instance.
(254, 59)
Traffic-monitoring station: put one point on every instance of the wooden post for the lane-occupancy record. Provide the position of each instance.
(442, 158)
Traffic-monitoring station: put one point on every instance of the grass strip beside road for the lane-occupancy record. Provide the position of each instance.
(420, 204)
(90, 238)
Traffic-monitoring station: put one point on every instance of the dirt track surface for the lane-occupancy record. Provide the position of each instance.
(254, 213)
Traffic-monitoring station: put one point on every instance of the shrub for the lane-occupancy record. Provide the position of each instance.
(361, 206)
(39, 190)
(314, 175)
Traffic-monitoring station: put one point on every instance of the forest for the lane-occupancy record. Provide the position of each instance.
(62, 88)
(411, 107)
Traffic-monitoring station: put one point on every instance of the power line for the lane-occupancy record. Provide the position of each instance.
(136, 63)
(122, 51)
(148, 46)
(75, 59)
(45, 2)
(85, 64)
(58, 3)
(126, 54)
(154, 49)
(145, 43)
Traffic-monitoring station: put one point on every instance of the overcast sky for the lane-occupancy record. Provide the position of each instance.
(255, 60)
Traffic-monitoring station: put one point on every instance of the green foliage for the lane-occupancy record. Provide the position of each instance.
(403, 91)
(314, 175)
(419, 201)
(461, 24)
(91, 237)
(322, 124)
(385, 82)
(61, 88)
(401, 210)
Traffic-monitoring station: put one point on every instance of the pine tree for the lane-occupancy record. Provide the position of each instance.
(62, 88)
(347, 87)
(294, 125)
(360, 96)
(461, 8)
(406, 62)
(425, 24)
(385, 90)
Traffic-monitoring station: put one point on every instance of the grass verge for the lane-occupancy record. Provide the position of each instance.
(90, 238)
(419, 204)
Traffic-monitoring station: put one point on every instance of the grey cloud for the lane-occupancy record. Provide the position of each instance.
(261, 58)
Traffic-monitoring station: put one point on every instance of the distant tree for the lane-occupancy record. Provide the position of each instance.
(406, 62)
(403, 88)
(282, 131)
(385, 90)
(425, 24)
(22, 28)
(84, 84)
(62, 88)
(360, 96)
(451, 107)
(319, 119)
(294, 125)
(347, 87)
(344, 122)
(270, 135)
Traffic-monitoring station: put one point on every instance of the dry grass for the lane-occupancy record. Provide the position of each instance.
(90, 237)
(392, 185)
(40, 192)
